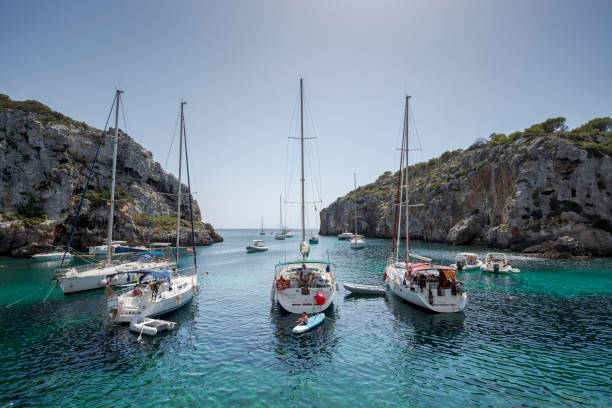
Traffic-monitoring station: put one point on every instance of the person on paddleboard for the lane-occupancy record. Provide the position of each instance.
(303, 319)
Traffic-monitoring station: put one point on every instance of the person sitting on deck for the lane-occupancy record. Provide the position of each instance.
(303, 319)
(305, 276)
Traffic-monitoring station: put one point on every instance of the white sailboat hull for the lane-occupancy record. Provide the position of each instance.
(447, 303)
(293, 301)
(124, 307)
(73, 281)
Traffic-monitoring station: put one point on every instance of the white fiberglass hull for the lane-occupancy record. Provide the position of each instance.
(500, 269)
(252, 248)
(53, 256)
(74, 281)
(124, 307)
(420, 297)
(470, 267)
(292, 300)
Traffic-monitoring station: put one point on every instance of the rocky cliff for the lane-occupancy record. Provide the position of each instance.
(45, 158)
(542, 190)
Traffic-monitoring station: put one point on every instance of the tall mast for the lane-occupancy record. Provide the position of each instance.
(178, 209)
(407, 196)
(109, 241)
(280, 211)
(355, 201)
(262, 223)
(302, 149)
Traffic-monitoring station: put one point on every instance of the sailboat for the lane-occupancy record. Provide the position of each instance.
(261, 231)
(431, 287)
(281, 235)
(158, 292)
(357, 241)
(345, 236)
(304, 285)
(91, 277)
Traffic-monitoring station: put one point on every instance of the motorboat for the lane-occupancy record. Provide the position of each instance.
(256, 246)
(467, 261)
(103, 249)
(345, 236)
(314, 239)
(496, 262)
(357, 242)
(51, 256)
(279, 236)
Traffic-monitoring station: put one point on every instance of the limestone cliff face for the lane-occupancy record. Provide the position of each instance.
(43, 169)
(542, 194)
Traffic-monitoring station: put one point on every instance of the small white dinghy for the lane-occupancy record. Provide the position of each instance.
(364, 289)
(313, 321)
(148, 326)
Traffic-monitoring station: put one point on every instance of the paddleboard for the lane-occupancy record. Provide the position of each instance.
(313, 321)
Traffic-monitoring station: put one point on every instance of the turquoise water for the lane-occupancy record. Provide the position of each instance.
(539, 338)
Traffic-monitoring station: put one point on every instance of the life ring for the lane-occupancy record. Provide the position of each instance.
(281, 284)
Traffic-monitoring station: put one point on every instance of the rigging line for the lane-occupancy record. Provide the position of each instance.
(125, 127)
(291, 121)
(176, 125)
(317, 175)
(87, 184)
(195, 260)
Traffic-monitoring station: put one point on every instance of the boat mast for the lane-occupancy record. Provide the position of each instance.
(407, 197)
(178, 209)
(280, 211)
(355, 201)
(302, 149)
(109, 240)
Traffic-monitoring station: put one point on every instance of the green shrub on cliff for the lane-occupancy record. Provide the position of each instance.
(99, 198)
(46, 114)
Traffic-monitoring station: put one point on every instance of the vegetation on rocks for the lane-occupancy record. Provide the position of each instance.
(543, 189)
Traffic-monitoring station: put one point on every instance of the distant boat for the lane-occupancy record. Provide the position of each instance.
(497, 262)
(256, 246)
(281, 235)
(345, 236)
(51, 256)
(467, 261)
(262, 232)
(358, 241)
(314, 239)
(102, 249)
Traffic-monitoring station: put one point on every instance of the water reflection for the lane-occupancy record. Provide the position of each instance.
(425, 328)
(306, 350)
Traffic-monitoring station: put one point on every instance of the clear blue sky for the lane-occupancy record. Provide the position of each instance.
(472, 67)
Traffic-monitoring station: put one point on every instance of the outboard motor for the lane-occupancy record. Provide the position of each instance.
(496, 267)
(460, 265)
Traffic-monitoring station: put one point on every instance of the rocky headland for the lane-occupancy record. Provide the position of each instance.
(45, 158)
(543, 190)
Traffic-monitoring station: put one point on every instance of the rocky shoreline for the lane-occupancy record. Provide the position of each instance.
(44, 163)
(546, 193)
